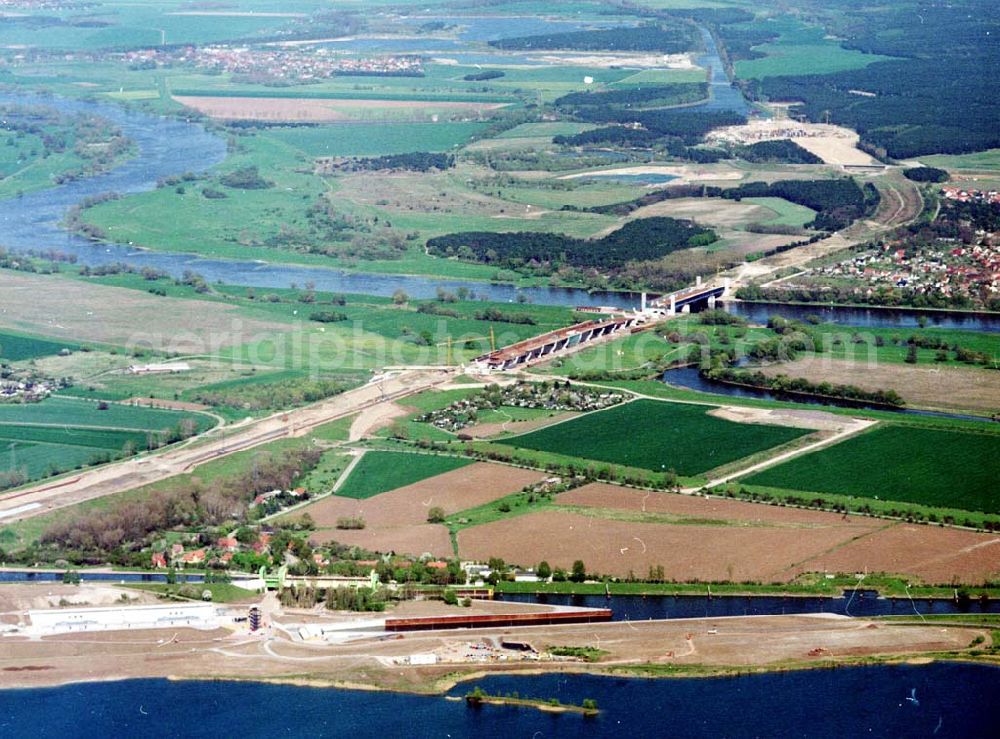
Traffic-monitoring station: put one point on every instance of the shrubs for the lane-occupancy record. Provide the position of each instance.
(350, 523)
(245, 178)
(488, 74)
(926, 174)
(327, 316)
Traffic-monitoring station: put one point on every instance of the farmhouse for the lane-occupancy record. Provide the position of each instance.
(164, 368)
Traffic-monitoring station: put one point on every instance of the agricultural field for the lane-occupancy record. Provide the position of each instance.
(950, 469)
(951, 387)
(310, 110)
(386, 138)
(18, 347)
(83, 312)
(397, 520)
(655, 436)
(622, 532)
(60, 434)
(379, 472)
(126, 24)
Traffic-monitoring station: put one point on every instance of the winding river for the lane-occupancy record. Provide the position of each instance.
(169, 147)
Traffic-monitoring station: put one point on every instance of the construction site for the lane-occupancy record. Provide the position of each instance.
(421, 645)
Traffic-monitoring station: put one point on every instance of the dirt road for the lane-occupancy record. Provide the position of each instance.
(136, 472)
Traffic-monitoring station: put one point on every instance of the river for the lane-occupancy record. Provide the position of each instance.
(690, 378)
(941, 700)
(169, 147)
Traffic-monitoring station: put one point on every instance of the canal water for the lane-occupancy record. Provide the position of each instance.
(90, 576)
(863, 603)
(942, 700)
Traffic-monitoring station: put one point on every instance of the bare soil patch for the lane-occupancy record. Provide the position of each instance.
(85, 312)
(602, 495)
(686, 551)
(819, 420)
(484, 430)
(372, 419)
(397, 520)
(453, 491)
(324, 111)
(832, 144)
(22, 596)
(935, 555)
(934, 387)
(724, 642)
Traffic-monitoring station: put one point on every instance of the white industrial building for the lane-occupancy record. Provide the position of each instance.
(119, 618)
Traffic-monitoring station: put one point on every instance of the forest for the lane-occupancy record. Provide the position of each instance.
(941, 96)
(838, 202)
(637, 97)
(649, 37)
(780, 151)
(648, 238)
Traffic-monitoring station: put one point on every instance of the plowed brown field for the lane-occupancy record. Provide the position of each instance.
(714, 539)
(397, 520)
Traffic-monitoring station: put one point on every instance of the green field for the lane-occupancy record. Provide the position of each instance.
(380, 472)
(147, 24)
(17, 347)
(652, 435)
(367, 140)
(914, 465)
(989, 160)
(73, 412)
(802, 49)
(786, 213)
(61, 434)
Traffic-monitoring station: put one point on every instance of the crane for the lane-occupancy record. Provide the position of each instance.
(449, 341)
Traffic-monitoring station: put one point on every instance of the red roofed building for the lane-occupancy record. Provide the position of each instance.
(228, 544)
(195, 557)
(159, 560)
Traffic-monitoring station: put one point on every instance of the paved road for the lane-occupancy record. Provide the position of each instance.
(136, 472)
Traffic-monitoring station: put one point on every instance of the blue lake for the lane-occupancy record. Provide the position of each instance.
(950, 700)
(650, 178)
